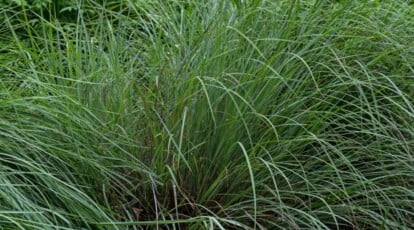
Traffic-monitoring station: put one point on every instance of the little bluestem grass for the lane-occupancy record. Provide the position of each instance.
(214, 115)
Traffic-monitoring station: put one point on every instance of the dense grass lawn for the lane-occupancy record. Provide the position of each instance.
(187, 114)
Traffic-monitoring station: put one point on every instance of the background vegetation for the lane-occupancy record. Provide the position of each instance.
(206, 114)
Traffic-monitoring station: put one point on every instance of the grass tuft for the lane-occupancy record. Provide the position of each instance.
(215, 115)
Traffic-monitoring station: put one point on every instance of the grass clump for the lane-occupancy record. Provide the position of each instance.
(221, 115)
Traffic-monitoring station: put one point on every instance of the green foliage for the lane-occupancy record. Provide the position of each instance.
(38, 5)
(214, 115)
(35, 4)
